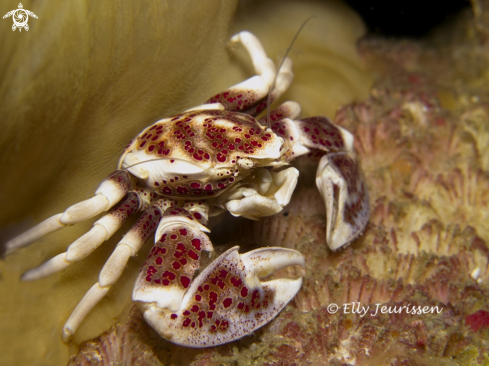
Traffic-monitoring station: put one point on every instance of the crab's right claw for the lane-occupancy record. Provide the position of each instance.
(227, 300)
(345, 194)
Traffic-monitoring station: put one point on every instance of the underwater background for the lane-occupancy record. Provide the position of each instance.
(88, 76)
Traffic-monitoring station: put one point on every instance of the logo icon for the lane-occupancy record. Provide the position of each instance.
(20, 17)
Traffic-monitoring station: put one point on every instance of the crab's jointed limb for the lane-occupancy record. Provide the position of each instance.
(130, 244)
(223, 303)
(110, 192)
(250, 95)
(339, 178)
(101, 231)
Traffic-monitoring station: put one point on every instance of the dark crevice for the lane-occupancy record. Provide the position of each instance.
(407, 18)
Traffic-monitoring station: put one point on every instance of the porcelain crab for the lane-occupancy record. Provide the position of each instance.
(213, 158)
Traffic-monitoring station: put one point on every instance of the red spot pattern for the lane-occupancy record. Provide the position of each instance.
(196, 243)
(145, 227)
(200, 218)
(222, 299)
(355, 211)
(277, 114)
(235, 100)
(175, 257)
(126, 207)
(236, 282)
(193, 255)
(244, 291)
(227, 302)
(185, 281)
(245, 101)
(121, 178)
(207, 138)
(321, 133)
(279, 128)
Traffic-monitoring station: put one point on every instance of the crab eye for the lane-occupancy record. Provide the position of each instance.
(245, 163)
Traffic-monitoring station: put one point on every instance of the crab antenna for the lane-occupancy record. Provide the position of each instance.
(151, 160)
(280, 66)
(139, 163)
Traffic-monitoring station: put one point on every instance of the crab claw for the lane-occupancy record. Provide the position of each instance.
(345, 194)
(227, 300)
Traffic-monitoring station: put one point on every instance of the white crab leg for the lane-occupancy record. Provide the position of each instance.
(46, 227)
(262, 64)
(250, 95)
(101, 231)
(247, 94)
(227, 300)
(110, 191)
(112, 270)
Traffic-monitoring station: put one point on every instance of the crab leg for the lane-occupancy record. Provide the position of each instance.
(288, 109)
(101, 231)
(263, 65)
(112, 270)
(339, 178)
(199, 210)
(227, 300)
(173, 260)
(250, 95)
(110, 191)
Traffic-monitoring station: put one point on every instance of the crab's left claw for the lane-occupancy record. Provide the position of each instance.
(344, 191)
(227, 300)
